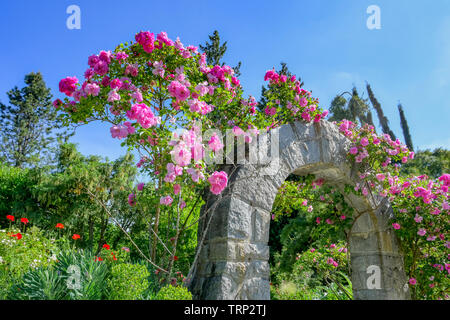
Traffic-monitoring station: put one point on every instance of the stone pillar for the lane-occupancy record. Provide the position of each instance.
(375, 252)
(233, 264)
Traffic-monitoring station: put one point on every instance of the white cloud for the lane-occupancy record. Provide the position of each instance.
(345, 77)
(440, 143)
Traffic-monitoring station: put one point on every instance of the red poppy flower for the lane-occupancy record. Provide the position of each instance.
(175, 258)
(114, 256)
(24, 220)
(106, 246)
(59, 225)
(76, 236)
(98, 259)
(17, 235)
(10, 217)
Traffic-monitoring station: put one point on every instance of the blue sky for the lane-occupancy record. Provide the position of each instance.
(326, 43)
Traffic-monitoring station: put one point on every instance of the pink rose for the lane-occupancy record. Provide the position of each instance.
(68, 85)
(167, 200)
(131, 201)
(218, 181)
(214, 143)
(176, 189)
(364, 142)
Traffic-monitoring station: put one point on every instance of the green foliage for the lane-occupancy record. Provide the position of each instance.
(405, 128)
(305, 213)
(215, 52)
(61, 196)
(30, 125)
(338, 109)
(423, 229)
(310, 226)
(355, 109)
(264, 99)
(433, 163)
(18, 257)
(384, 122)
(39, 284)
(86, 275)
(32, 251)
(16, 193)
(317, 274)
(170, 292)
(127, 281)
(75, 276)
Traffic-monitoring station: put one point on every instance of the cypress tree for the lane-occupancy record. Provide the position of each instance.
(405, 128)
(383, 120)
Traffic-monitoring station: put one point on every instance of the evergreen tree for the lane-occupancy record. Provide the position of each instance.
(359, 108)
(383, 120)
(338, 109)
(30, 124)
(356, 108)
(215, 52)
(405, 127)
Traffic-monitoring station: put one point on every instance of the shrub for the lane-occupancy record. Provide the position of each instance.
(84, 276)
(170, 292)
(127, 281)
(18, 256)
(75, 276)
(316, 274)
(40, 284)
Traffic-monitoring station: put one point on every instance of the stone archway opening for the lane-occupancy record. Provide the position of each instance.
(233, 260)
(303, 205)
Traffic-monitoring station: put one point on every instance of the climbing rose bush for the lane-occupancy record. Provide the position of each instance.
(161, 97)
(420, 204)
(150, 89)
(287, 101)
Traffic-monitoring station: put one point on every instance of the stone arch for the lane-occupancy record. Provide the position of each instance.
(233, 262)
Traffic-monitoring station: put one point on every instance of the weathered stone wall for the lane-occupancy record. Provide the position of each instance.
(233, 263)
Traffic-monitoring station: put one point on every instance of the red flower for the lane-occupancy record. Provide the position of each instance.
(24, 220)
(175, 258)
(106, 246)
(114, 256)
(10, 217)
(76, 236)
(98, 259)
(17, 235)
(59, 225)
